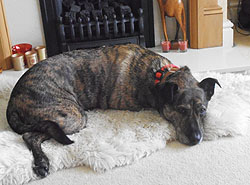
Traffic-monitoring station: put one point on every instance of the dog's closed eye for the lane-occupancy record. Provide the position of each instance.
(183, 109)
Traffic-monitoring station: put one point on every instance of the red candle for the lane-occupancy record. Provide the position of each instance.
(166, 45)
(183, 46)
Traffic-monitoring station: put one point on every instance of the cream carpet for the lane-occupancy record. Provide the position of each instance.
(117, 138)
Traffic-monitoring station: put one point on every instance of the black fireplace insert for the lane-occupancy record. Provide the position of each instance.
(77, 24)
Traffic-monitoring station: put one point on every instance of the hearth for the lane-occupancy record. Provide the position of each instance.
(76, 24)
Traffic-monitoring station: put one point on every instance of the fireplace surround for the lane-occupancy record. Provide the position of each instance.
(76, 24)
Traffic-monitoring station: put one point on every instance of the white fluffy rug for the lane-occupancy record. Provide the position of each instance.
(116, 138)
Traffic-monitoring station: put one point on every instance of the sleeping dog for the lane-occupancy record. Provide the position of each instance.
(50, 99)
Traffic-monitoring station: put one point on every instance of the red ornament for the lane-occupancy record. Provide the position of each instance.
(21, 48)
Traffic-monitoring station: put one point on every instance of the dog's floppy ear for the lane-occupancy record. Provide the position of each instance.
(167, 91)
(208, 86)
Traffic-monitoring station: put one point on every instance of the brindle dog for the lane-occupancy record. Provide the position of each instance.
(49, 100)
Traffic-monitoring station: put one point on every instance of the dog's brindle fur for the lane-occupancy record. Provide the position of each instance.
(49, 100)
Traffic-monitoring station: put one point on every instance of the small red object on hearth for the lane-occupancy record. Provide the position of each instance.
(179, 46)
(183, 45)
(21, 48)
(166, 46)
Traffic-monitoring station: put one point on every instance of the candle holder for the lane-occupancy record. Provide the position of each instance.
(18, 61)
(182, 45)
(41, 50)
(174, 45)
(166, 46)
(31, 57)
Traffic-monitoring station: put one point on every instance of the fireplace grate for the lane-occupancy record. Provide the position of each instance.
(84, 24)
(76, 24)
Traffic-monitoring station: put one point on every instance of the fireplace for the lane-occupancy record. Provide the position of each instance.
(78, 24)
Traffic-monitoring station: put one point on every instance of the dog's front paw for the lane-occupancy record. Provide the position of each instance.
(41, 167)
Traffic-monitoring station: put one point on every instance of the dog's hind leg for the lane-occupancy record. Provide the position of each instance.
(47, 130)
(41, 162)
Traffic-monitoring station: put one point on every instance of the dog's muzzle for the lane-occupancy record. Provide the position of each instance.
(191, 136)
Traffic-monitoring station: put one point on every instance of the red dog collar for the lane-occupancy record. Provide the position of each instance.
(168, 69)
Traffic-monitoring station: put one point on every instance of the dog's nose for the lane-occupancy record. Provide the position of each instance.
(195, 138)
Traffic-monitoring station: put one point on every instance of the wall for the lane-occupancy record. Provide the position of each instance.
(157, 24)
(24, 21)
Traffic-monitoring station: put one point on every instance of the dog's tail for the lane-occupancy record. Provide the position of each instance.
(53, 130)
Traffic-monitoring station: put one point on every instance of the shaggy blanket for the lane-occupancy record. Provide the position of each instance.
(117, 138)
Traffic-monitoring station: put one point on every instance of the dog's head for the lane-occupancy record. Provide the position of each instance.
(184, 103)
